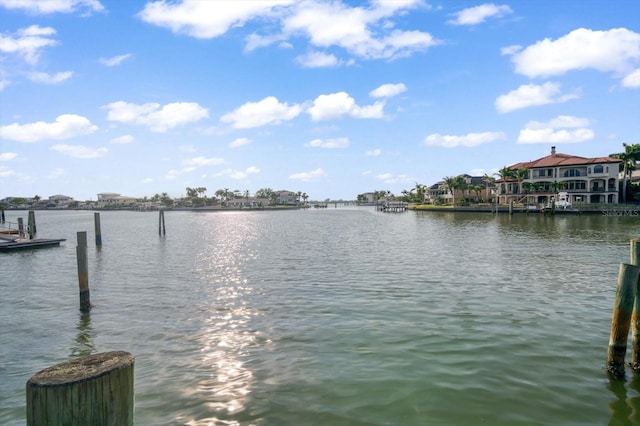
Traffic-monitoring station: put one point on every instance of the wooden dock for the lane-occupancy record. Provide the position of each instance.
(16, 243)
(393, 207)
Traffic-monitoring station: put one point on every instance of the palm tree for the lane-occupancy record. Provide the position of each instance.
(450, 185)
(520, 175)
(505, 173)
(304, 197)
(629, 157)
(488, 180)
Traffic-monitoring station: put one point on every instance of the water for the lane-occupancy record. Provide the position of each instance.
(330, 316)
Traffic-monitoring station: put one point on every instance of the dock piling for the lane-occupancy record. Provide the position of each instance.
(83, 272)
(161, 227)
(621, 318)
(96, 225)
(31, 224)
(2, 216)
(635, 317)
(87, 390)
(21, 227)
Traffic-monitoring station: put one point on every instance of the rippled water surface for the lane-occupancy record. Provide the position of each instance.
(340, 316)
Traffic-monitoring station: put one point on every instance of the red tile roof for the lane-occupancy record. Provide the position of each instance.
(559, 160)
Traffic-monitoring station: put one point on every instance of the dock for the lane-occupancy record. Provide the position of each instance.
(16, 243)
(393, 207)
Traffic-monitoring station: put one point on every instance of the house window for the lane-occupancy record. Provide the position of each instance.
(572, 173)
(598, 169)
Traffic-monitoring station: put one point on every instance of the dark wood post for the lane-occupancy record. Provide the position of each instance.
(88, 390)
(161, 227)
(621, 318)
(21, 227)
(2, 215)
(96, 225)
(83, 272)
(32, 223)
(635, 317)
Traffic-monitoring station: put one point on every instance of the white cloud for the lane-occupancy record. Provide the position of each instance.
(308, 176)
(510, 50)
(54, 6)
(66, 126)
(616, 50)
(207, 19)
(318, 60)
(237, 143)
(146, 181)
(43, 77)
(123, 139)
(157, 118)
(80, 151)
(256, 114)
(238, 174)
(390, 178)
(532, 95)
(202, 161)
(56, 173)
(3, 84)
(562, 129)
(28, 42)
(8, 156)
(115, 60)
(632, 79)
(373, 153)
(187, 148)
(6, 172)
(468, 140)
(388, 90)
(329, 143)
(337, 105)
(478, 14)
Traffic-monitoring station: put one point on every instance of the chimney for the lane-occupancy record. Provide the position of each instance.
(553, 151)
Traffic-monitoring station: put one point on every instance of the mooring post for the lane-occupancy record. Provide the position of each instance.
(621, 318)
(21, 227)
(96, 225)
(88, 390)
(635, 316)
(2, 215)
(83, 272)
(161, 227)
(32, 221)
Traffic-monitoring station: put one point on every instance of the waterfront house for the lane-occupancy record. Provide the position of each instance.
(287, 198)
(112, 199)
(440, 193)
(586, 180)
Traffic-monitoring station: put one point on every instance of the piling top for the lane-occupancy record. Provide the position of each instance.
(81, 369)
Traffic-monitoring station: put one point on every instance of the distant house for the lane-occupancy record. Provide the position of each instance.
(112, 199)
(60, 200)
(440, 191)
(247, 202)
(586, 180)
(287, 198)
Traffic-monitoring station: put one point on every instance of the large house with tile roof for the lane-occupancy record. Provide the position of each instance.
(586, 180)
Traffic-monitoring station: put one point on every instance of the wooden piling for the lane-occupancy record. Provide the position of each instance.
(2, 215)
(511, 207)
(32, 223)
(88, 390)
(21, 227)
(98, 231)
(635, 316)
(621, 319)
(83, 272)
(161, 227)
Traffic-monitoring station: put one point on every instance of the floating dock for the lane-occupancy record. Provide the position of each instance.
(15, 243)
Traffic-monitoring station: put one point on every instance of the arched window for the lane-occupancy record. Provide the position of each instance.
(598, 169)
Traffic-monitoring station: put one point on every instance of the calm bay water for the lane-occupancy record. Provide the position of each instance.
(331, 316)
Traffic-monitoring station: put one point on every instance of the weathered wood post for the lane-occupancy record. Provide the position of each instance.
(161, 228)
(96, 225)
(83, 272)
(21, 227)
(2, 215)
(621, 318)
(88, 390)
(511, 207)
(635, 317)
(32, 223)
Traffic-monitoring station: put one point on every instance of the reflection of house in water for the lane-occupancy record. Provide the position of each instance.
(585, 180)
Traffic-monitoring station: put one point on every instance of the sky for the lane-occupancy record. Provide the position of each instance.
(329, 98)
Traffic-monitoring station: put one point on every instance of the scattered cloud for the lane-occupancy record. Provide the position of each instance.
(562, 129)
(478, 14)
(6, 172)
(373, 153)
(242, 174)
(115, 60)
(329, 143)
(158, 119)
(363, 32)
(468, 140)
(237, 143)
(615, 50)
(43, 77)
(123, 139)
(390, 178)
(318, 60)
(308, 176)
(146, 181)
(632, 80)
(532, 95)
(3, 84)
(28, 42)
(80, 151)
(8, 156)
(256, 114)
(54, 6)
(187, 148)
(388, 90)
(56, 173)
(66, 126)
(337, 105)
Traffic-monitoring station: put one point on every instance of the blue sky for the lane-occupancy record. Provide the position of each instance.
(331, 98)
